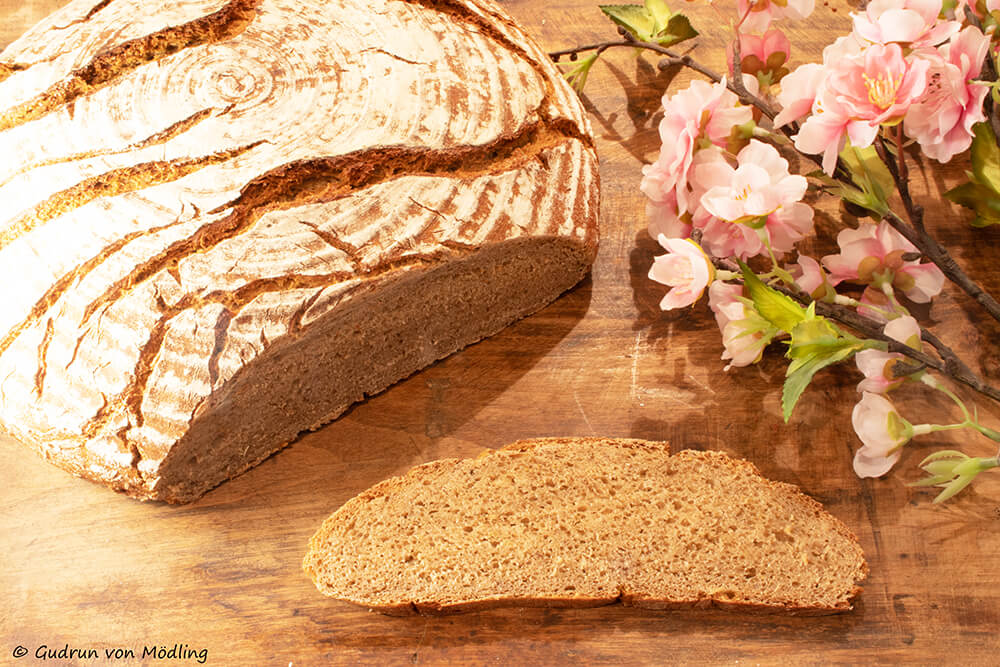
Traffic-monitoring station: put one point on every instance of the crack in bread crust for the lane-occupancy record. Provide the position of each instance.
(461, 12)
(113, 63)
(162, 137)
(8, 69)
(111, 184)
(86, 17)
(43, 350)
(54, 293)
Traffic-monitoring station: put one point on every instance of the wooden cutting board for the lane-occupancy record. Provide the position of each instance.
(83, 568)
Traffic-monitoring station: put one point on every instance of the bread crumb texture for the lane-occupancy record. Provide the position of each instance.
(585, 522)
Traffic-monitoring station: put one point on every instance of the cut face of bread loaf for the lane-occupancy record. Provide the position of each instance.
(226, 222)
(586, 522)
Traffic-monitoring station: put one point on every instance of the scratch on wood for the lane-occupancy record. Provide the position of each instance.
(634, 386)
(583, 413)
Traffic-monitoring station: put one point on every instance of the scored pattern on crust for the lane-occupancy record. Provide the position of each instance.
(192, 180)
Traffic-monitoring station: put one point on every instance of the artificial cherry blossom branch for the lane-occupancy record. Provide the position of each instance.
(722, 195)
(914, 232)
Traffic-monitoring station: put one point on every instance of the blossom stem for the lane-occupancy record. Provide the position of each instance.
(890, 293)
(776, 270)
(843, 300)
(736, 29)
(724, 275)
(971, 421)
(932, 382)
(673, 58)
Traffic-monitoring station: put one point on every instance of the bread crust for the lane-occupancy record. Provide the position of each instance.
(339, 525)
(262, 185)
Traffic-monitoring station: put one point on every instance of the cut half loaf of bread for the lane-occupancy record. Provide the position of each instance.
(586, 522)
(226, 221)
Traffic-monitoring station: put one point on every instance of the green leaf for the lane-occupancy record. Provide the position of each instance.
(982, 200)
(577, 77)
(780, 310)
(871, 177)
(985, 157)
(815, 337)
(982, 192)
(636, 19)
(816, 343)
(842, 190)
(660, 13)
(651, 22)
(796, 381)
(944, 454)
(678, 29)
(954, 487)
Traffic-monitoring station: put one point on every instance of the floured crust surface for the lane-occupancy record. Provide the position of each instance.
(195, 186)
(585, 522)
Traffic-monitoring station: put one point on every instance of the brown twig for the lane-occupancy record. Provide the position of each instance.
(674, 58)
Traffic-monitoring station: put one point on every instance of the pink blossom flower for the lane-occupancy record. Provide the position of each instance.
(845, 46)
(875, 304)
(745, 333)
(759, 193)
(860, 93)
(758, 186)
(724, 239)
(800, 89)
(763, 54)
(685, 268)
(702, 111)
(798, 92)
(941, 121)
(665, 216)
(882, 431)
(810, 277)
(721, 297)
(876, 365)
(665, 219)
(873, 254)
(993, 5)
(909, 22)
(762, 12)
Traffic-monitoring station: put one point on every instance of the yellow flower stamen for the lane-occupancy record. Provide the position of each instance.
(882, 90)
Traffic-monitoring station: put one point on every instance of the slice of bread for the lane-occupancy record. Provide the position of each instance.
(579, 522)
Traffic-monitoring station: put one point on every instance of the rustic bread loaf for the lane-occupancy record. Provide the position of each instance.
(226, 221)
(586, 522)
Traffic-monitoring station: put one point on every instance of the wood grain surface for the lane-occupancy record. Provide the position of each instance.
(84, 568)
